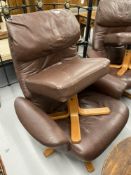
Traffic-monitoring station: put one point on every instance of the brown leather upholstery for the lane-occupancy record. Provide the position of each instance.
(97, 131)
(37, 122)
(69, 77)
(43, 56)
(116, 39)
(110, 85)
(112, 31)
(112, 17)
(126, 77)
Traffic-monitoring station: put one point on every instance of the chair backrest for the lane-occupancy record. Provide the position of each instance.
(41, 39)
(113, 16)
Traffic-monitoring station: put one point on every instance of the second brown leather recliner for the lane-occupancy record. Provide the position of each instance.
(112, 39)
(53, 78)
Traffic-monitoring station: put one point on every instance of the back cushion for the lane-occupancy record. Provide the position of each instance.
(114, 13)
(39, 34)
(39, 40)
(113, 16)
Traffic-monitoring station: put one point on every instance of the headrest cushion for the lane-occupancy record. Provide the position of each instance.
(34, 35)
(114, 13)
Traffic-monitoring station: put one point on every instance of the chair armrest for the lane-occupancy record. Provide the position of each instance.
(39, 124)
(110, 85)
(118, 38)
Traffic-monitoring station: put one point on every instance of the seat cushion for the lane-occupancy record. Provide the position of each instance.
(67, 78)
(97, 131)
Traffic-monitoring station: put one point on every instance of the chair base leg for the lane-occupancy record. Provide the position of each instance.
(74, 119)
(125, 65)
(94, 111)
(122, 71)
(48, 152)
(90, 167)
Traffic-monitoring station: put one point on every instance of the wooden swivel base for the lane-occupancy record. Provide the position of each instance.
(89, 165)
(74, 112)
(125, 65)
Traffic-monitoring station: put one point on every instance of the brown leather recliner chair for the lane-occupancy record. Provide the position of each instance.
(112, 36)
(50, 72)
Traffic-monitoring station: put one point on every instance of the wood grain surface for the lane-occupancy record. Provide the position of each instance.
(119, 160)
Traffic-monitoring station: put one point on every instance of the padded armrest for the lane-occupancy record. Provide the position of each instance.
(118, 38)
(111, 85)
(39, 124)
(67, 78)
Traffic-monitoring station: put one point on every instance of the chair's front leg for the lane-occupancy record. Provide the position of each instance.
(74, 116)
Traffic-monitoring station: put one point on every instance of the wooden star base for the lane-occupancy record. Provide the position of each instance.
(74, 112)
